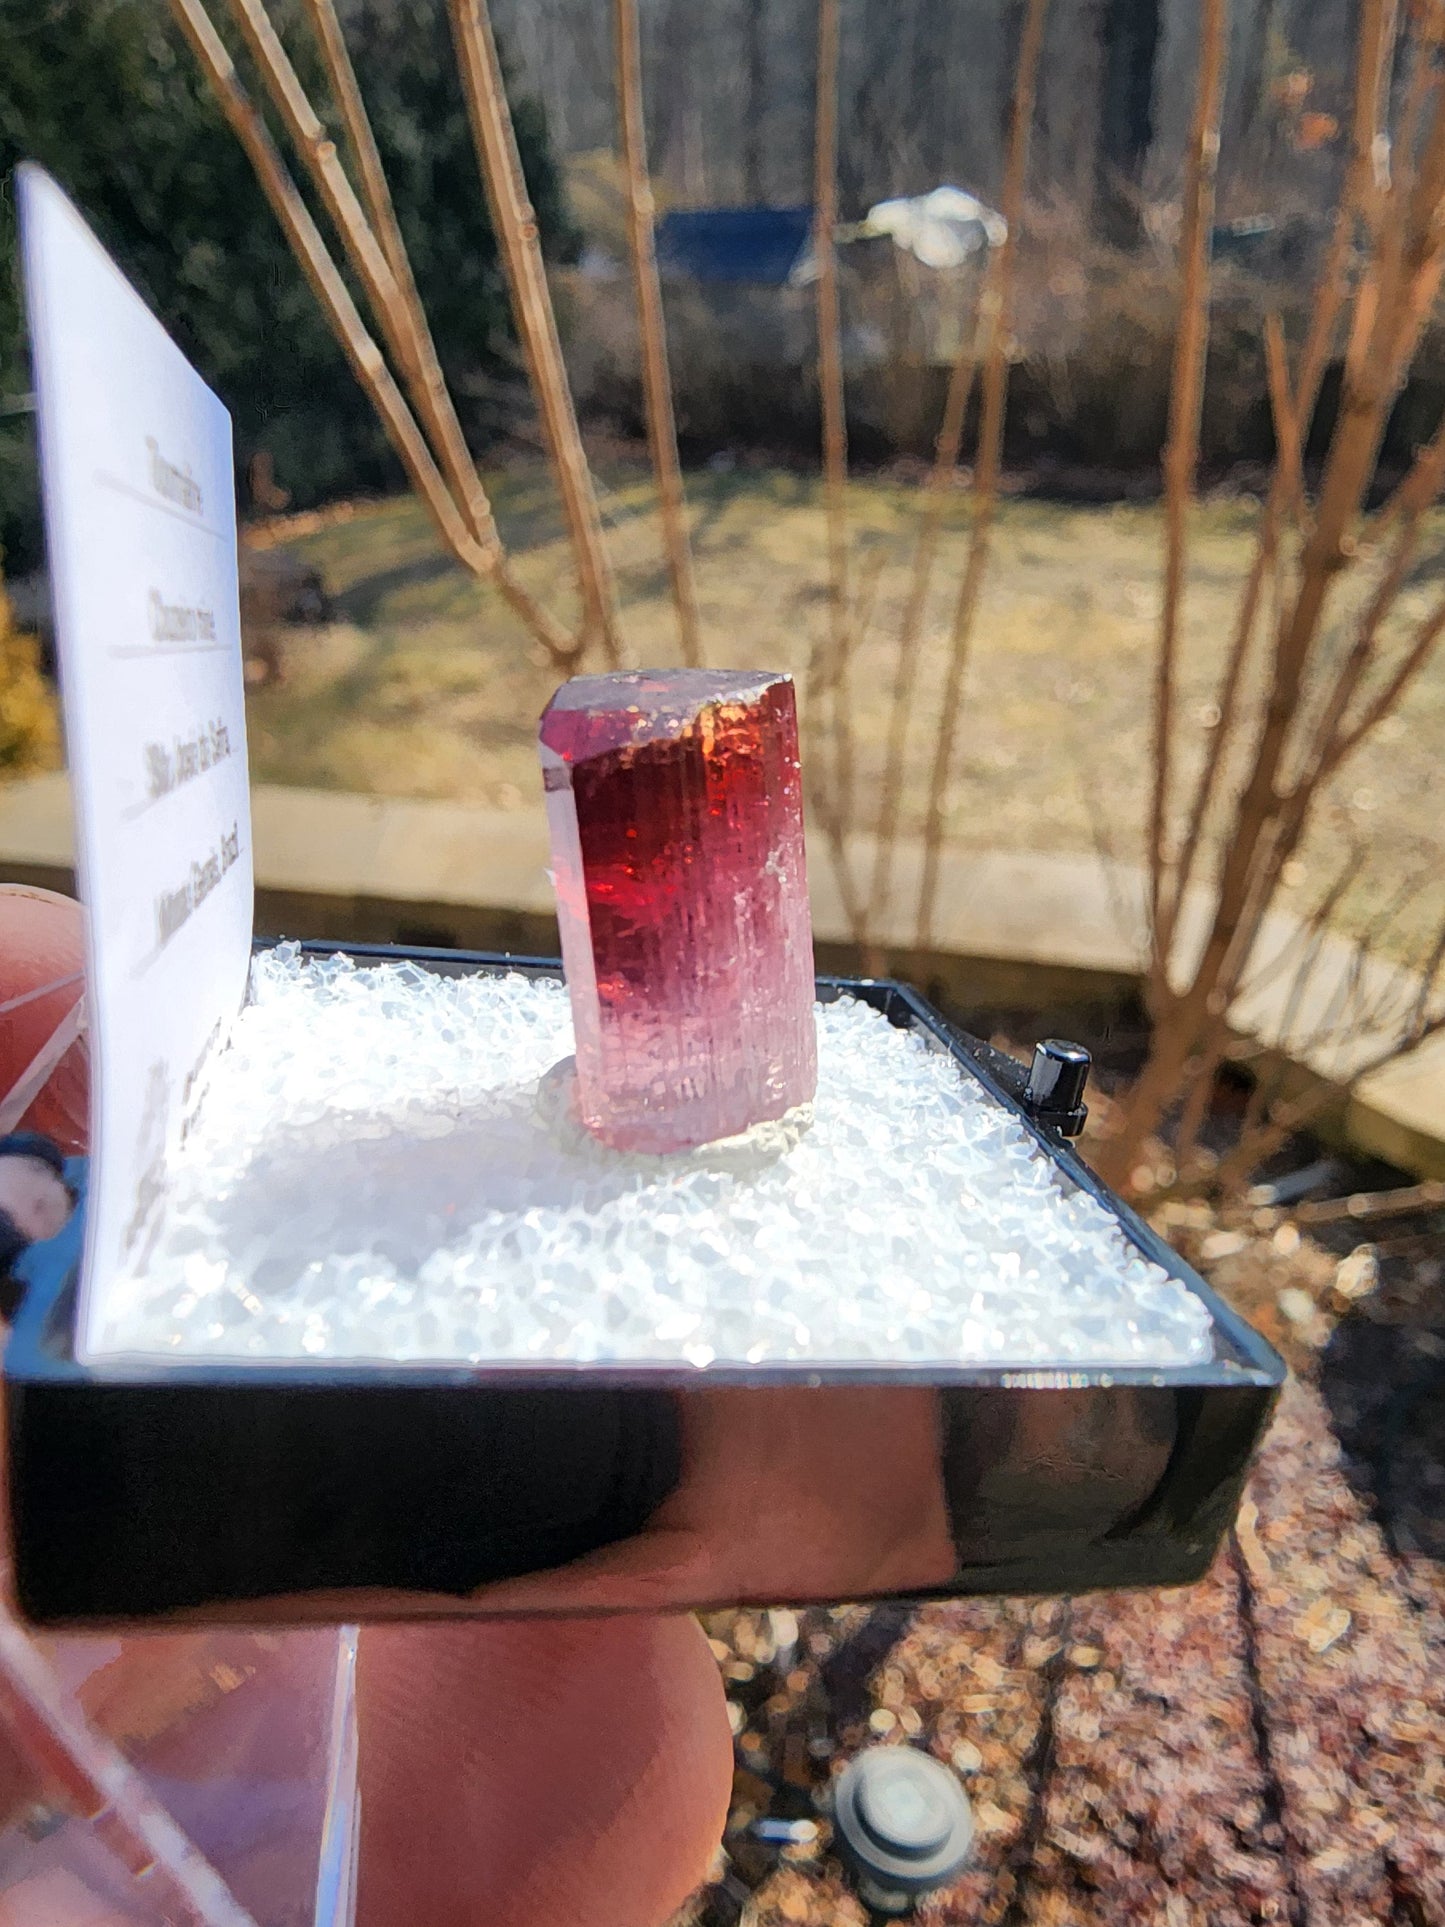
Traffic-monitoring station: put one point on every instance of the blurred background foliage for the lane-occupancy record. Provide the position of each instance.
(104, 94)
(29, 726)
(134, 137)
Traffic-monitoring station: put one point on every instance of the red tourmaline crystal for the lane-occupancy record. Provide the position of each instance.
(674, 801)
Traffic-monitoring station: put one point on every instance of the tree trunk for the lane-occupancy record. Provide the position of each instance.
(1130, 30)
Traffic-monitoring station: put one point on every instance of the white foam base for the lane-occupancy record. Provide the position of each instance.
(373, 1176)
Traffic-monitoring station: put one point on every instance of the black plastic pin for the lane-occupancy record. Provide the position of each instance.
(1054, 1094)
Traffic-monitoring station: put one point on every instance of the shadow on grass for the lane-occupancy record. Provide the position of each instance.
(362, 602)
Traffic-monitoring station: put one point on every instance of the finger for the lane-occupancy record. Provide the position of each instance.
(42, 968)
(523, 1775)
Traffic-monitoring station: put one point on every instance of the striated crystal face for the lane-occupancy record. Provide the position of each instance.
(674, 801)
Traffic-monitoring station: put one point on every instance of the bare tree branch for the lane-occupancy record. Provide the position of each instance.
(1359, 194)
(1181, 459)
(829, 666)
(996, 307)
(1402, 1202)
(415, 348)
(375, 191)
(1393, 296)
(520, 247)
(656, 380)
(1373, 713)
(1249, 1153)
(1289, 433)
(910, 634)
(471, 536)
(402, 322)
(331, 291)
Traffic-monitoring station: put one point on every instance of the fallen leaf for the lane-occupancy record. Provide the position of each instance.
(1323, 1625)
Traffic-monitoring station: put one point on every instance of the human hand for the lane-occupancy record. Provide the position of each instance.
(540, 1773)
(572, 1772)
(33, 1192)
(44, 1062)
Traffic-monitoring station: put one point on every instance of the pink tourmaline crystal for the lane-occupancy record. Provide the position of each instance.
(674, 801)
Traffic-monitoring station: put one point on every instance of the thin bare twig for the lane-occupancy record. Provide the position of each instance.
(1359, 195)
(1407, 507)
(656, 380)
(1300, 955)
(375, 191)
(910, 634)
(1393, 296)
(1289, 1118)
(863, 596)
(1265, 1096)
(1258, 1139)
(1351, 735)
(1311, 930)
(996, 314)
(515, 226)
(411, 337)
(1181, 459)
(1289, 432)
(470, 534)
(328, 286)
(1429, 984)
(403, 305)
(1360, 1205)
(830, 326)
(399, 312)
(829, 665)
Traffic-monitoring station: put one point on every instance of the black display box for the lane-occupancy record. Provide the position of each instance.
(287, 1492)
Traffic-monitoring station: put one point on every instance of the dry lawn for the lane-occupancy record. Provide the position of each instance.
(425, 685)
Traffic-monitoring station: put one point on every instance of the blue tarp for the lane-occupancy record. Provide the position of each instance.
(757, 245)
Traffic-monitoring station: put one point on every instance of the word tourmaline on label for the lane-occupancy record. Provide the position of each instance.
(674, 801)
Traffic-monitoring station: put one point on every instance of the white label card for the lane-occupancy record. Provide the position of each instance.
(140, 516)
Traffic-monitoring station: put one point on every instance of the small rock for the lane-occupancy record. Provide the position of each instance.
(1297, 1306)
(1222, 1244)
(992, 1819)
(784, 1628)
(1357, 1275)
(1322, 1625)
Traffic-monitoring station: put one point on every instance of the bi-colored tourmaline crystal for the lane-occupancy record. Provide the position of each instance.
(674, 801)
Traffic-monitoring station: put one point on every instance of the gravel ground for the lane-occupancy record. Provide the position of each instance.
(1268, 1745)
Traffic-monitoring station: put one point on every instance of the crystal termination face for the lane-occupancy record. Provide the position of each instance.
(370, 1175)
(674, 802)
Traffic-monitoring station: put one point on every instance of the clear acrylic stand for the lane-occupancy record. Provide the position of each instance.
(203, 1779)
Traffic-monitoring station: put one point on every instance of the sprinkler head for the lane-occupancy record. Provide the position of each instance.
(903, 1827)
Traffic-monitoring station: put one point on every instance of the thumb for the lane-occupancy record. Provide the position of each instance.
(525, 1774)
